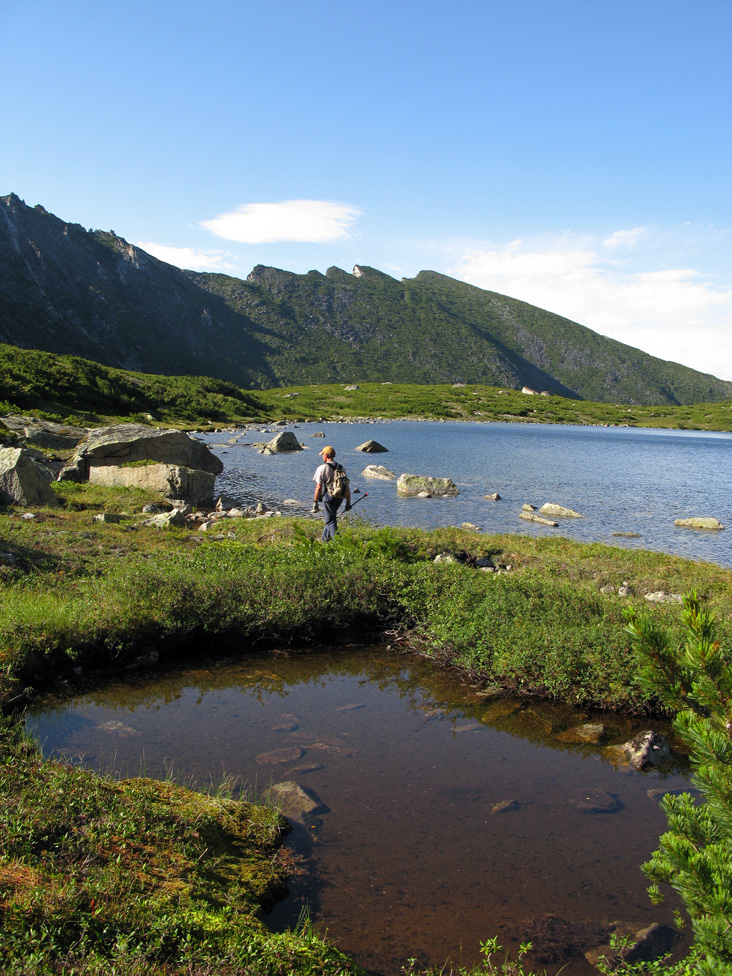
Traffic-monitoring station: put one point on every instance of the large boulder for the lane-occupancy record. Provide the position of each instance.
(417, 484)
(282, 442)
(45, 433)
(128, 443)
(22, 482)
(174, 482)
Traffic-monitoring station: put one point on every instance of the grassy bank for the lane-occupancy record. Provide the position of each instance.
(144, 877)
(70, 389)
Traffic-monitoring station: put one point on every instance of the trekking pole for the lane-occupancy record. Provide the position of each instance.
(353, 505)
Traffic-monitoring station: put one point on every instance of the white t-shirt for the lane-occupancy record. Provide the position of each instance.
(323, 475)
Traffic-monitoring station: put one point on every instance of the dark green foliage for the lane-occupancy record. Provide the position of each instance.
(695, 855)
(91, 293)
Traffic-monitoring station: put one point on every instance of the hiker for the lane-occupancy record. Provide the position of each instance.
(332, 486)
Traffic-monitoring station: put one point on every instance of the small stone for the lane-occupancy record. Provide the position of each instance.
(505, 806)
(107, 517)
(495, 497)
(528, 507)
(595, 801)
(587, 733)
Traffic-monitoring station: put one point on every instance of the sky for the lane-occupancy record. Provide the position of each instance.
(574, 154)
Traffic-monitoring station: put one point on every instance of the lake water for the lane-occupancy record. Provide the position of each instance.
(620, 479)
(446, 817)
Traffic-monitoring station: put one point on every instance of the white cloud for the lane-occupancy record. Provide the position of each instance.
(304, 221)
(187, 257)
(624, 238)
(675, 314)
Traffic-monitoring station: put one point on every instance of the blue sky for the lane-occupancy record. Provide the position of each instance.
(576, 154)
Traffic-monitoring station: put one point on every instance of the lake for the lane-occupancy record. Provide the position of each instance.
(446, 817)
(620, 479)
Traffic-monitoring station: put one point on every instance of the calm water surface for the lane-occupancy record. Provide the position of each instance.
(620, 479)
(408, 857)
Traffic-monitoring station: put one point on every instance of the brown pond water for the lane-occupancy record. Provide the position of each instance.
(409, 856)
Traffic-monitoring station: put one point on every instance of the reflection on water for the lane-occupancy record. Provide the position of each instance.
(619, 479)
(446, 817)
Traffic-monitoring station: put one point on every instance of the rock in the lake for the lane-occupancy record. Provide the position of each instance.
(295, 802)
(528, 507)
(288, 754)
(379, 472)
(505, 806)
(533, 517)
(494, 497)
(595, 801)
(698, 523)
(22, 482)
(558, 511)
(283, 442)
(645, 750)
(590, 732)
(415, 484)
(372, 447)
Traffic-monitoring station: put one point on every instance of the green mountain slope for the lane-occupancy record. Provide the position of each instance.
(89, 293)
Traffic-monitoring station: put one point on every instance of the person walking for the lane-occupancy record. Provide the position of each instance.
(325, 489)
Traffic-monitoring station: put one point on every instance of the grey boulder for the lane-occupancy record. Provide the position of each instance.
(372, 447)
(22, 481)
(416, 484)
(283, 442)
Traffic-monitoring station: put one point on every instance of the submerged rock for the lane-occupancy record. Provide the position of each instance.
(647, 749)
(595, 801)
(295, 802)
(286, 755)
(587, 733)
(379, 472)
(505, 806)
(531, 517)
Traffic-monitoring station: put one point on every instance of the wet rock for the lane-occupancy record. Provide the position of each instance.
(372, 447)
(414, 484)
(354, 706)
(379, 472)
(528, 507)
(558, 511)
(22, 482)
(531, 517)
(304, 768)
(285, 727)
(557, 940)
(659, 793)
(318, 433)
(587, 733)
(472, 727)
(118, 728)
(647, 749)
(627, 535)
(595, 801)
(698, 523)
(505, 806)
(295, 802)
(283, 442)
(494, 497)
(288, 754)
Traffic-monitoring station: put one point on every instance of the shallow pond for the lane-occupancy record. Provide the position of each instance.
(446, 816)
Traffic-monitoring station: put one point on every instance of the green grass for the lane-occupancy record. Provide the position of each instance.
(74, 390)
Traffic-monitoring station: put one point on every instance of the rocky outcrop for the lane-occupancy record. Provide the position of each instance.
(174, 482)
(44, 433)
(22, 481)
(379, 472)
(130, 443)
(416, 484)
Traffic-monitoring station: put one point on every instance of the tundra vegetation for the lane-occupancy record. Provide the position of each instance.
(101, 876)
(77, 391)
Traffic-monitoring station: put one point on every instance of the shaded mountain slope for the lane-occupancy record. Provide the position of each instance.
(90, 293)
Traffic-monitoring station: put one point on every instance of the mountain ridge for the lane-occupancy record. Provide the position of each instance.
(91, 293)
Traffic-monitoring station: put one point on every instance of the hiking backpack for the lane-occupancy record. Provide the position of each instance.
(337, 485)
